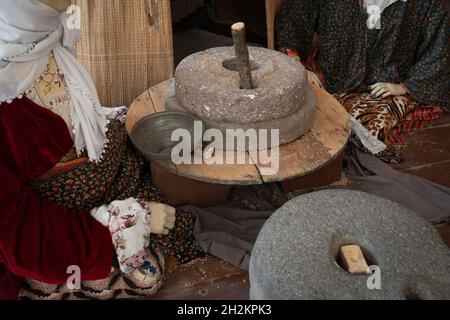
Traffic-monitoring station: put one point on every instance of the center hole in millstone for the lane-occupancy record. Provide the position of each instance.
(230, 64)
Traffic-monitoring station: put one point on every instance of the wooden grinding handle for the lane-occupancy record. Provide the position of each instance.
(242, 55)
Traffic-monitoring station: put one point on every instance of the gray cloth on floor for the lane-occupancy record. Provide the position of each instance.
(230, 233)
(429, 200)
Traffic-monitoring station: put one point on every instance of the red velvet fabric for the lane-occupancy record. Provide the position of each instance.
(38, 238)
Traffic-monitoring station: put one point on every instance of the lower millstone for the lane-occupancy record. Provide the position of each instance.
(296, 254)
(290, 128)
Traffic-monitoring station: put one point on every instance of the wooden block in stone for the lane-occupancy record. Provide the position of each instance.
(352, 259)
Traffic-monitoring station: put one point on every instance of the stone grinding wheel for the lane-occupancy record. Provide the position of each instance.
(290, 128)
(295, 254)
(207, 85)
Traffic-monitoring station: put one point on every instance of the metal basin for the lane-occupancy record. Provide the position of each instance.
(152, 134)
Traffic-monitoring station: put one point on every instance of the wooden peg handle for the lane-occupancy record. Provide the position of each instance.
(242, 55)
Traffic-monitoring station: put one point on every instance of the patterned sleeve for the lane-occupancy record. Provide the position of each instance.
(128, 222)
(428, 79)
(295, 25)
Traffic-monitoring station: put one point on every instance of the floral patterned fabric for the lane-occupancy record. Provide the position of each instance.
(155, 263)
(113, 190)
(122, 175)
(128, 221)
(345, 47)
(412, 47)
(385, 118)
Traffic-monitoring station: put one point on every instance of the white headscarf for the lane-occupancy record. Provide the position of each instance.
(29, 32)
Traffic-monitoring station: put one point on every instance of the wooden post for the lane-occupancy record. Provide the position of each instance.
(242, 55)
(272, 7)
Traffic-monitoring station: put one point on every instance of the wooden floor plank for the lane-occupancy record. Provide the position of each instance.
(427, 153)
(438, 173)
(444, 231)
(444, 121)
(206, 279)
(429, 147)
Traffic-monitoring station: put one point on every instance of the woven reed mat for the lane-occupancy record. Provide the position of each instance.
(126, 46)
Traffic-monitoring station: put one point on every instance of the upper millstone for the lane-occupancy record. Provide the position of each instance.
(207, 84)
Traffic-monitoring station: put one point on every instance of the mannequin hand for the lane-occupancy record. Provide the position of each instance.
(386, 89)
(162, 218)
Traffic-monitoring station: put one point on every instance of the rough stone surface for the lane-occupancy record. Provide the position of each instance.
(290, 128)
(207, 86)
(295, 254)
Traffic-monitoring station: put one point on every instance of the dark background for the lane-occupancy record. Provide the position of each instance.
(217, 16)
(253, 11)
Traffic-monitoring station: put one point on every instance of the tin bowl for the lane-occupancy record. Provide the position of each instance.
(152, 135)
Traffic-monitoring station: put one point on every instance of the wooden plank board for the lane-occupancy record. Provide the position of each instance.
(206, 279)
(158, 94)
(140, 108)
(298, 158)
(427, 154)
(153, 100)
(444, 121)
(324, 176)
(321, 145)
(444, 231)
(436, 172)
(229, 174)
(332, 125)
(184, 191)
(426, 148)
(272, 7)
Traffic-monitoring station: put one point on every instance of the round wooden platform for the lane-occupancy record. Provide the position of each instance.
(320, 146)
